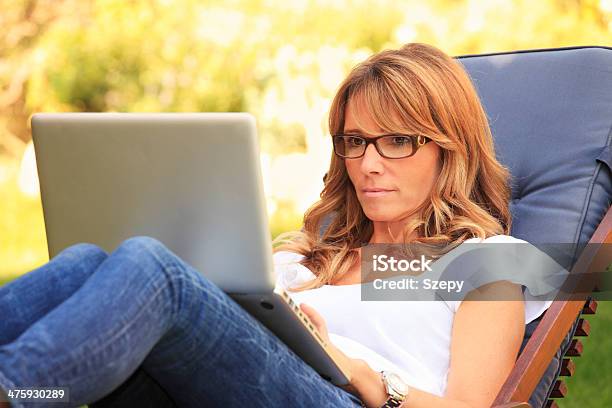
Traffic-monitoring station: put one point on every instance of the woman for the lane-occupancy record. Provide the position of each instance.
(87, 320)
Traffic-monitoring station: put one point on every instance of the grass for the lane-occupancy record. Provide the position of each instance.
(23, 244)
(590, 385)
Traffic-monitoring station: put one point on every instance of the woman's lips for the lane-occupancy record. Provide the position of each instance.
(377, 193)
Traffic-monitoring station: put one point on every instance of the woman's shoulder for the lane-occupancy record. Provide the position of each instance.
(524, 264)
(501, 238)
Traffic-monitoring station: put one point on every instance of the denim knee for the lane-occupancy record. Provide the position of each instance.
(144, 246)
(147, 250)
(84, 256)
(152, 262)
(85, 251)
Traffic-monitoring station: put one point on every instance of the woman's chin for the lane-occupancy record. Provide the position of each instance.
(384, 215)
(376, 215)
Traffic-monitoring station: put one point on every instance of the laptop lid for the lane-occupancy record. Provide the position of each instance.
(192, 181)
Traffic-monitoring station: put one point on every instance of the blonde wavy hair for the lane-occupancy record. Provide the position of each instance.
(417, 89)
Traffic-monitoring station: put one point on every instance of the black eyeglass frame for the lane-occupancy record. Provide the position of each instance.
(417, 142)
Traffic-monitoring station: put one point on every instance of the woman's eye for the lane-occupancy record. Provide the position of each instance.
(401, 140)
(356, 141)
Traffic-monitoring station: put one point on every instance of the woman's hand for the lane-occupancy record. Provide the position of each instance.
(317, 320)
(359, 372)
(347, 363)
(319, 323)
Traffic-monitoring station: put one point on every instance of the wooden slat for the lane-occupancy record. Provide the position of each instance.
(559, 390)
(590, 307)
(513, 405)
(546, 339)
(567, 367)
(575, 348)
(551, 404)
(583, 329)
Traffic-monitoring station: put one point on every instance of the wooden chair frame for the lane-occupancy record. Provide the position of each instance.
(554, 327)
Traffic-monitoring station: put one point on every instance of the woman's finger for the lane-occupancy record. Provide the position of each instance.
(316, 319)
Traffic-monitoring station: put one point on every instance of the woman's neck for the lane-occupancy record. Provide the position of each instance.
(389, 232)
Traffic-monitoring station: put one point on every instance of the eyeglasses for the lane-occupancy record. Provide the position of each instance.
(393, 146)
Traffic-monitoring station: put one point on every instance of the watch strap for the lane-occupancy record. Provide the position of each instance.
(391, 403)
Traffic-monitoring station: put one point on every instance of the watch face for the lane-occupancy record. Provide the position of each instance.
(396, 382)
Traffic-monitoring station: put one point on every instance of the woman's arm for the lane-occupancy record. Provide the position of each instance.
(486, 337)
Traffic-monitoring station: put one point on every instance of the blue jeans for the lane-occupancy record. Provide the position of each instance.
(87, 321)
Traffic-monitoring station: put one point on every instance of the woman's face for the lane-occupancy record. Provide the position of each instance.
(388, 189)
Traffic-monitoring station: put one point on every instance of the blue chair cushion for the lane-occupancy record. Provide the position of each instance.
(550, 113)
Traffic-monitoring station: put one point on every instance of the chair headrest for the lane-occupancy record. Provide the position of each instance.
(550, 113)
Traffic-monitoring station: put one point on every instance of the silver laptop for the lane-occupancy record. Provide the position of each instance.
(192, 181)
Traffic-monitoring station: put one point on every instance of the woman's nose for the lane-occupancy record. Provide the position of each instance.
(372, 161)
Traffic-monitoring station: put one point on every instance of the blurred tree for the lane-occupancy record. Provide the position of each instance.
(177, 55)
(188, 55)
(22, 23)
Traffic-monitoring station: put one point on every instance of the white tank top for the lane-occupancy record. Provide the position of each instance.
(411, 338)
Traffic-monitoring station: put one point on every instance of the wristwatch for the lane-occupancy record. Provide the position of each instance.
(397, 389)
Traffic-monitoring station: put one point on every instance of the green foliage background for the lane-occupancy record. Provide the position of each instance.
(239, 55)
